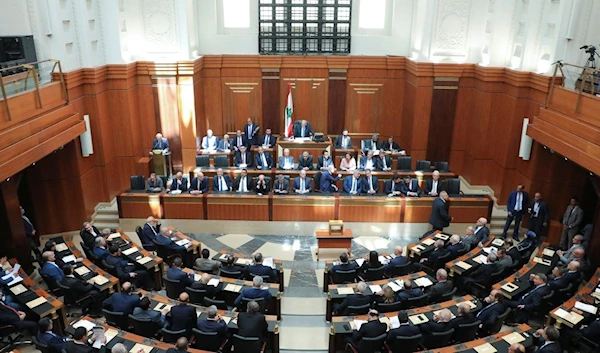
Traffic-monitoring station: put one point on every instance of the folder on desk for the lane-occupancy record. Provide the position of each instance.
(100, 280)
(428, 241)
(224, 257)
(61, 247)
(36, 302)
(485, 348)
(356, 324)
(182, 242)
(510, 287)
(242, 261)
(395, 287)
(213, 282)
(386, 320)
(144, 260)
(375, 288)
(539, 260)
(69, 258)
(138, 346)
(463, 265)
(418, 319)
(110, 334)
(88, 325)
(16, 290)
(233, 288)
(82, 270)
(130, 251)
(441, 236)
(548, 252)
(423, 282)
(514, 337)
(586, 307)
(226, 319)
(345, 290)
(114, 236)
(480, 259)
(498, 242)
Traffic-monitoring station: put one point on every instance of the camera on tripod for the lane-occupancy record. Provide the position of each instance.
(590, 49)
(589, 79)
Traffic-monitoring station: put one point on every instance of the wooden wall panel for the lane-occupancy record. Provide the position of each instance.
(213, 107)
(365, 104)
(393, 121)
(242, 99)
(187, 121)
(310, 88)
(271, 117)
(336, 121)
(442, 118)
(166, 98)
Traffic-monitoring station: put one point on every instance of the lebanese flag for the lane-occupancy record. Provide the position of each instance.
(288, 115)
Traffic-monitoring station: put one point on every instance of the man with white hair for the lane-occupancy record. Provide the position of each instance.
(455, 245)
(160, 143)
(433, 186)
(199, 184)
(357, 299)
(225, 145)
(353, 183)
(149, 231)
(209, 142)
(440, 323)
(256, 292)
(222, 182)
(302, 184)
(213, 323)
(564, 255)
(398, 260)
(442, 287)
(328, 180)
(479, 236)
(164, 240)
(286, 162)
(88, 234)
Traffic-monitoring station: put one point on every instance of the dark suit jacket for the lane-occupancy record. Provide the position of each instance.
(220, 327)
(148, 234)
(348, 184)
(434, 255)
(513, 252)
(439, 214)
(161, 144)
(261, 270)
(251, 131)
(101, 253)
(369, 329)
(339, 141)
(237, 160)
(225, 145)
(278, 189)
(258, 161)
(28, 228)
(369, 145)
(489, 313)
(211, 291)
(592, 331)
(55, 343)
(7, 316)
(437, 290)
(363, 163)
(308, 163)
(429, 186)
(432, 326)
(482, 273)
(462, 320)
(407, 294)
(79, 287)
(271, 140)
(263, 188)
(559, 283)
(249, 183)
(388, 162)
(254, 293)
(326, 181)
(543, 212)
(308, 131)
(228, 181)
(455, 248)
(512, 200)
(122, 267)
(234, 141)
(73, 347)
(552, 347)
(121, 302)
(183, 316)
(533, 298)
(405, 330)
(183, 187)
(387, 187)
(203, 185)
(88, 238)
(52, 271)
(252, 325)
(374, 181)
(169, 244)
(353, 300)
(386, 146)
(412, 187)
(321, 163)
(177, 274)
(307, 184)
(344, 267)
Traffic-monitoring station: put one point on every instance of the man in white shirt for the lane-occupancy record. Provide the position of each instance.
(244, 182)
(433, 186)
(368, 162)
(221, 182)
(286, 162)
(209, 142)
(302, 183)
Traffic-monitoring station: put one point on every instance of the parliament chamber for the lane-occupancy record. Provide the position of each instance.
(293, 176)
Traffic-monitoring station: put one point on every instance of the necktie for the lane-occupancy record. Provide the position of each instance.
(384, 164)
(243, 186)
(244, 158)
(345, 142)
(10, 308)
(281, 186)
(518, 203)
(301, 184)
(178, 184)
(353, 185)
(222, 184)
(302, 131)
(264, 160)
(266, 139)
(434, 186)
(160, 144)
(370, 184)
(239, 141)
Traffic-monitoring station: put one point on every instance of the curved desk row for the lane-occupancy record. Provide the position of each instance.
(567, 314)
(241, 260)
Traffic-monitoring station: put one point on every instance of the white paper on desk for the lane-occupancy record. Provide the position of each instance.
(360, 262)
(16, 290)
(15, 281)
(359, 323)
(345, 290)
(548, 252)
(400, 282)
(382, 259)
(490, 249)
(88, 325)
(110, 334)
(175, 192)
(36, 302)
(182, 242)
(375, 288)
(130, 251)
(480, 259)
(586, 307)
(224, 257)
(213, 282)
(16, 269)
(226, 319)
(138, 346)
(242, 261)
(394, 286)
(61, 247)
(69, 258)
(423, 282)
(428, 241)
(144, 260)
(269, 262)
(82, 270)
(394, 322)
(498, 242)
(99, 332)
(162, 306)
(561, 313)
(114, 236)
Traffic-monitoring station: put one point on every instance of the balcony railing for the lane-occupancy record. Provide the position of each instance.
(583, 80)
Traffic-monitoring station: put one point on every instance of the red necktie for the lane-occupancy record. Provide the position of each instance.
(10, 308)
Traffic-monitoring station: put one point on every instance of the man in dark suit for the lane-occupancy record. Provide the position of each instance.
(370, 184)
(302, 184)
(225, 145)
(153, 185)
(230, 265)
(512, 250)
(343, 265)
(558, 281)
(100, 248)
(263, 160)
(439, 212)
(179, 182)
(88, 234)
(55, 343)
(548, 340)
(393, 186)
(213, 323)
(464, 316)
(390, 145)
(243, 158)
(181, 346)
(368, 162)
(539, 214)
(442, 286)
(30, 232)
(518, 200)
(343, 141)
(267, 140)
(404, 330)
(398, 260)
(123, 302)
(328, 180)
(251, 131)
(239, 140)
(258, 269)
(531, 300)
(410, 187)
(50, 268)
(571, 222)
(202, 284)
(410, 291)
(303, 129)
(353, 183)
(480, 235)
(145, 312)
(570, 336)
(79, 344)
(205, 264)
(160, 143)
(281, 185)
(481, 273)
(433, 186)
(305, 161)
(438, 251)
(455, 245)
(149, 231)
(356, 299)
(440, 323)
(493, 307)
(199, 184)
(370, 329)
(81, 288)
(256, 292)
(324, 161)
(183, 316)
(164, 240)
(175, 273)
(244, 183)
(371, 144)
(11, 316)
(222, 182)
(252, 323)
(384, 162)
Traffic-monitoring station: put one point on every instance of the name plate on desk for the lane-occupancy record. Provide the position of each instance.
(418, 319)
(428, 241)
(61, 247)
(510, 287)
(463, 265)
(417, 248)
(130, 251)
(571, 317)
(441, 236)
(498, 242)
(242, 261)
(36, 302)
(144, 260)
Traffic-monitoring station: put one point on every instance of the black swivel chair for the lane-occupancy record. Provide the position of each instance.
(202, 161)
(359, 309)
(10, 338)
(143, 327)
(402, 270)
(368, 344)
(40, 346)
(147, 244)
(52, 284)
(169, 336)
(405, 344)
(208, 341)
(404, 163)
(164, 180)
(374, 274)
(495, 328)
(442, 167)
(389, 307)
(71, 300)
(262, 304)
(453, 186)
(231, 274)
(137, 182)
(466, 332)
(196, 295)
(220, 304)
(115, 318)
(340, 277)
(416, 302)
(173, 288)
(221, 162)
(243, 344)
(448, 295)
(423, 165)
(438, 339)
(89, 254)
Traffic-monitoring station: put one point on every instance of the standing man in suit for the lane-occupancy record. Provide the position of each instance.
(160, 143)
(538, 214)
(393, 187)
(548, 340)
(518, 200)
(50, 268)
(225, 145)
(88, 234)
(384, 163)
(324, 160)
(404, 330)
(267, 140)
(493, 307)
(302, 184)
(328, 180)
(571, 222)
(343, 141)
(370, 184)
(286, 162)
(531, 300)
(252, 323)
(390, 145)
(30, 232)
(353, 183)
(55, 343)
(239, 140)
(81, 288)
(183, 316)
(251, 130)
(154, 184)
(305, 162)
(243, 158)
(357, 299)
(210, 143)
(263, 160)
(410, 187)
(199, 184)
(179, 182)
(433, 186)
(442, 286)
(282, 185)
(303, 129)
(439, 212)
(222, 182)
(370, 329)
(244, 183)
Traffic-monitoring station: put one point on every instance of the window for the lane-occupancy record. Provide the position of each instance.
(304, 26)
(236, 13)
(372, 14)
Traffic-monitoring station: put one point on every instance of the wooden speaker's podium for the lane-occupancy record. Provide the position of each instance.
(161, 162)
(336, 237)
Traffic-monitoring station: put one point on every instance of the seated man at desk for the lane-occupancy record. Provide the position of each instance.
(393, 186)
(209, 144)
(478, 237)
(410, 187)
(164, 240)
(252, 323)
(302, 184)
(205, 264)
(353, 183)
(183, 316)
(357, 299)
(370, 184)
(286, 162)
(306, 161)
(303, 129)
(199, 184)
(222, 182)
(398, 260)
(372, 144)
(433, 186)
(370, 329)
(100, 248)
(404, 330)
(262, 186)
(81, 288)
(531, 300)
(268, 140)
(348, 163)
(256, 292)
(225, 145)
(281, 185)
(390, 145)
(440, 323)
(150, 230)
(202, 284)
(368, 162)
(50, 269)
(493, 307)
(328, 180)
(55, 343)
(251, 131)
(154, 183)
(244, 183)
(126, 271)
(160, 143)
(14, 317)
(324, 161)
(242, 158)
(343, 141)
(239, 140)
(179, 183)
(481, 273)
(258, 269)
(263, 160)
(124, 301)
(384, 163)
(175, 273)
(145, 312)
(410, 291)
(442, 286)
(213, 323)
(344, 264)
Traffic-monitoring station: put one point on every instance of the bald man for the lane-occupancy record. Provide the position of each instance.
(398, 260)
(181, 346)
(464, 316)
(183, 316)
(539, 215)
(123, 302)
(160, 143)
(199, 184)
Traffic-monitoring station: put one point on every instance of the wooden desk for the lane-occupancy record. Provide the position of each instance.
(155, 266)
(329, 267)
(184, 206)
(423, 247)
(235, 206)
(314, 207)
(334, 241)
(278, 264)
(297, 148)
(381, 209)
(140, 204)
(497, 341)
(468, 258)
(569, 305)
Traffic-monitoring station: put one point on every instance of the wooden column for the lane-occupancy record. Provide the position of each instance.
(337, 101)
(443, 107)
(14, 240)
(271, 118)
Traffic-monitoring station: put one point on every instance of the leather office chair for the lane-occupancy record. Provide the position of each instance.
(220, 304)
(72, 300)
(221, 162)
(404, 163)
(442, 167)
(10, 338)
(313, 158)
(243, 344)
(453, 186)
(466, 332)
(438, 339)
(116, 318)
(359, 309)
(164, 180)
(137, 182)
(40, 346)
(110, 269)
(89, 254)
(262, 304)
(448, 295)
(196, 295)
(402, 270)
(231, 274)
(403, 344)
(416, 302)
(339, 277)
(173, 288)
(423, 165)
(439, 263)
(143, 327)
(374, 274)
(164, 253)
(389, 307)
(148, 246)
(495, 328)
(368, 344)
(53, 287)
(202, 161)
(208, 341)
(317, 185)
(169, 336)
